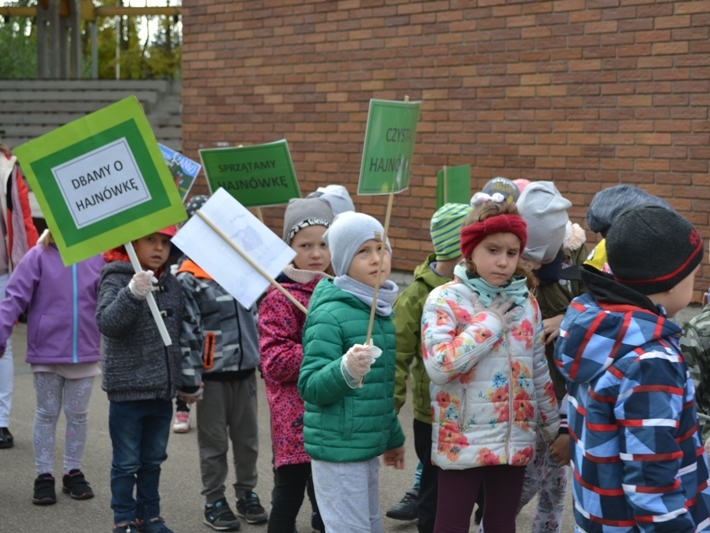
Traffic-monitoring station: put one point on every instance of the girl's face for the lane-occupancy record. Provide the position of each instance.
(152, 250)
(363, 267)
(495, 258)
(312, 253)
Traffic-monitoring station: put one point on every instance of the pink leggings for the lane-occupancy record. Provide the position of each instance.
(502, 484)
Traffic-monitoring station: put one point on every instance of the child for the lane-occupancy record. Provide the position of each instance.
(337, 196)
(348, 389)
(181, 423)
(445, 229)
(553, 244)
(17, 235)
(280, 337)
(637, 457)
(483, 348)
(220, 343)
(695, 345)
(141, 376)
(63, 351)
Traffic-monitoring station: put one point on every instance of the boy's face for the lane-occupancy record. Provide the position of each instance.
(363, 267)
(312, 253)
(152, 250)
(680, 295)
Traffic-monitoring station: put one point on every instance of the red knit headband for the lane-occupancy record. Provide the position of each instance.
(472, 234)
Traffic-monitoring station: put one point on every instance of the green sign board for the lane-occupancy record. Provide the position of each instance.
(101, 181)
(453, 184)
(256, 176)
(389, 146)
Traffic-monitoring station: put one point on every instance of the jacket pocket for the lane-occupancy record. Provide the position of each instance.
(347, 418)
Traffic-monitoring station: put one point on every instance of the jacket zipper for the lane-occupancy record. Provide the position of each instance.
(510, 397)
(239, 331)
(75, 312)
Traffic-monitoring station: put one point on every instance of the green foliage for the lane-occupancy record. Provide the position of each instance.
(18, 50)
(158, 57)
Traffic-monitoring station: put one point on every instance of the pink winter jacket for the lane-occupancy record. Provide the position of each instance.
(280, 332)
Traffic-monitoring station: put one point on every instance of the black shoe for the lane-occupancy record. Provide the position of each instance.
(406, 509)
(249, 507)
(75, 485)
(317, 523)
(6, 439)
(220, 517)
(44, 490)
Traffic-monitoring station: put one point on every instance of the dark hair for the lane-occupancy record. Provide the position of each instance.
(491, 209)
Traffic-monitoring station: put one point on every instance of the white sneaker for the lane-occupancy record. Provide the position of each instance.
(182, 422)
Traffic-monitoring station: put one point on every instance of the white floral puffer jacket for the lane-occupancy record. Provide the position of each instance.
(490, 389)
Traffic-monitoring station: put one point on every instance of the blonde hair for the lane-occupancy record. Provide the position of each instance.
(490, 209)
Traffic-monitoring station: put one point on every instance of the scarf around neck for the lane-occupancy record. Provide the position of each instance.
(385, 295)
(515, 288)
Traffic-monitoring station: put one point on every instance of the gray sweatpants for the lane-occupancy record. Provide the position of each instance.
(227, 412)
(348, 496)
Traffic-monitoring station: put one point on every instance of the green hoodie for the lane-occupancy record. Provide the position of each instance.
(408, 310)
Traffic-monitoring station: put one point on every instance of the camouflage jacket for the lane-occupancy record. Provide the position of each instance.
(695, 344)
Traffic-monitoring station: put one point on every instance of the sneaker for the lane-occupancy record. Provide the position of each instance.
(406, 509)
(75, 485)
(220, 517)
(249, 507)
(154, 525)
(182, 422)
(125, 527)
(44, 490)
(6, 438)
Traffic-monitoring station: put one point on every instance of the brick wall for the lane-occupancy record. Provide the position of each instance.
(584, 93)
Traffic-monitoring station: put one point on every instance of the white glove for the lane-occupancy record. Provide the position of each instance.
(504, 309)
(142, 284)
(357, 361)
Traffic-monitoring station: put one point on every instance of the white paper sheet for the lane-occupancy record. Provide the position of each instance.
(216, 257)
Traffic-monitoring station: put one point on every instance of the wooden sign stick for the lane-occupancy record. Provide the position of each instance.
(152, 304)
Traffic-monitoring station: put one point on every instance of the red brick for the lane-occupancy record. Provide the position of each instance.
(587, 93)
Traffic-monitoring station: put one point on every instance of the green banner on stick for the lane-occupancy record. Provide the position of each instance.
(453, 185)
(389, 146)
(101, 181)
(256, 176)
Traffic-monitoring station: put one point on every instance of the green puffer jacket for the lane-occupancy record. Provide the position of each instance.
(408, 324)
(342, 424)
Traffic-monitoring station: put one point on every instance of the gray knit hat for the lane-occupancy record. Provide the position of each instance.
(651, 248)
(337, 196)
(303, 212)
(545, 211)
(346, 234)
(608, 204)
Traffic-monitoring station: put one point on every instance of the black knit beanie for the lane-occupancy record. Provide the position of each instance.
(651, 248)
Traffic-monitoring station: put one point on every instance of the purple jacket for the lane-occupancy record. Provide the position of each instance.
(61, 307)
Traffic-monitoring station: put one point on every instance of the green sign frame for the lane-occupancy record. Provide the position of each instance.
(389, 146)
(262, 175)
(453, 185)
(101, 181)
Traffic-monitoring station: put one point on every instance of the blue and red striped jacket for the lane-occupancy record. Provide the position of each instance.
(638, 463)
